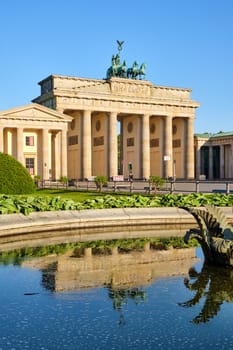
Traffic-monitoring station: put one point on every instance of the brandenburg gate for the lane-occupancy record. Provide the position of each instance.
(155, 123)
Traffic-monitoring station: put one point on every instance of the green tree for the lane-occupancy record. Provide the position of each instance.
(64, 180)
(100, 181)
(156, 182)
(14, 177)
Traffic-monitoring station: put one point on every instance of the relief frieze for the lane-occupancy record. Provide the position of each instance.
(130, 141)
(130, 89)
(98, 141)
(154, 143)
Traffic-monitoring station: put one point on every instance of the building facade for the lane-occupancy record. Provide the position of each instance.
(156, 126)
(214, 155)
(37, 137)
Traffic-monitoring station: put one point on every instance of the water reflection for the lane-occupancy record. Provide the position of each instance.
(73, 272)
(212, 284)
(49, 303)
(125, 275)
(120, 296)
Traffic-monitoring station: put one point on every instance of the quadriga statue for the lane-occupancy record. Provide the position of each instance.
(214, 235)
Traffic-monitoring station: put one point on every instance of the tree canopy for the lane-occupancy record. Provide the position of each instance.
(14, 178)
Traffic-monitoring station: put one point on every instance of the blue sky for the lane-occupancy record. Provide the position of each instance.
(185, 43)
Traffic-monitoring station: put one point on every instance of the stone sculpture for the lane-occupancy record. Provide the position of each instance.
(214, 235)
(120, 70)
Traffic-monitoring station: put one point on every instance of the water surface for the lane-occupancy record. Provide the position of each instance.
(177, 312)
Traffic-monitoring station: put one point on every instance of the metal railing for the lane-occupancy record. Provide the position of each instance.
(144, 186)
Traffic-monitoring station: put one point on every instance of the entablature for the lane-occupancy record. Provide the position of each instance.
(130, 107)
(114, 89)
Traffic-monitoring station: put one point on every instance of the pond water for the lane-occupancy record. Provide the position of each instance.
(177, 312)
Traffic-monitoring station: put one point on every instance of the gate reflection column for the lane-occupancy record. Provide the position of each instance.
(86, 144)
(112, 154)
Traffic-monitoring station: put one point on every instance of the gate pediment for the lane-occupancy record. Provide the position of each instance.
(34, 112)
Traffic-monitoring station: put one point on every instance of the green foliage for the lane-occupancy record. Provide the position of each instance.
(37, 178)
(63, 180)
(28, 204)
(126, 245)
(120, 296)
(100, 181)
(14, 178)
(156, 182)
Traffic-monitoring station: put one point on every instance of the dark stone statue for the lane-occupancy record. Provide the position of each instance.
(120, 70)
(214, 235)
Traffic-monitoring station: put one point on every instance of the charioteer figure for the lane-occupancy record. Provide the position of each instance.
(120, 70)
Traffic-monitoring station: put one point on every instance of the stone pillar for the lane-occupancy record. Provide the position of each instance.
(63, 152)
(88, 252)
(231, 163)
(19, 145)
(210, 162)
(45, 154)
(1, 139)
(167, 156)
(145, 146)
(222, 162)
(56, 155)
(86, 145)
(189, 149)
(53, 155)
(113, 149)
(198, 161)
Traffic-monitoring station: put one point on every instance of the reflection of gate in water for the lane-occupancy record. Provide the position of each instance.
(115, 269)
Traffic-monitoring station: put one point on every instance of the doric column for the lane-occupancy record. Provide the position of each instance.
(86, 145)
(210, 162)
(145, 146)
(231, 163)
(64, 153)
(19, 145)
(222, 162)
(56, 158)
(190, 149)
(167, 156)
(45, 154)
(198, 161)
(112, 155)
(1, 139)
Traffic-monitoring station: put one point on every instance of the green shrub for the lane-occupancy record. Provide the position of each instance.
(156, 181)
(100, 181)
(63, 180)
(14, 178)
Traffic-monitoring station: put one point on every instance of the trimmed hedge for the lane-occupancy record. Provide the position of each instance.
(14, 178)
